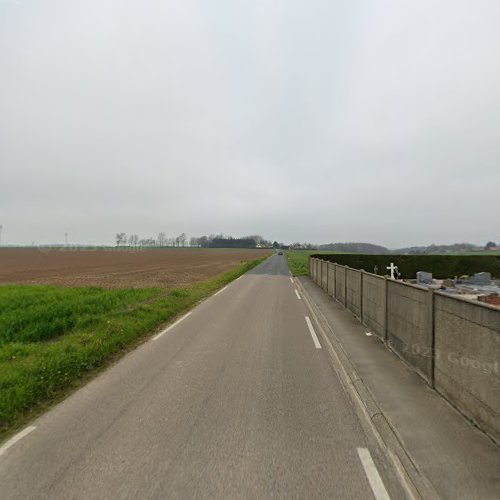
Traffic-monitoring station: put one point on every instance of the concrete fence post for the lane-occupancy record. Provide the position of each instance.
(326, 277)
(334, 294)
(432, 360)
(386, 313)
(362, 273)
(345, 286)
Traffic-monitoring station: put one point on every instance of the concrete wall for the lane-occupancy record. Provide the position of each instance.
(331, 279)
(353, 291)
(374, 303)
(340, 283)
(467, 358)
(453, 343)
(409, 325)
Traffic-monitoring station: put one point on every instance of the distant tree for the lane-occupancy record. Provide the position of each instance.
(256, 237)
(490, 244)
(203, 241)
(276, 245)
(162, 239)
(121, 239)
(194, 242)
(182, 239)
(133, 240)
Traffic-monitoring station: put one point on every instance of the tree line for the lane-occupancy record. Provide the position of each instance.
(206, 241)
(162, 240)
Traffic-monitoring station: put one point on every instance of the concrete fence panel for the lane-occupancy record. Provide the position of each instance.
(340, 283)
(353, 291)
(410, 325)
(324, 275)
(331, 279)
(467, 358)
(374, 303)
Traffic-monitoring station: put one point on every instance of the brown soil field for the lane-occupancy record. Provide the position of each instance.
(118, 268)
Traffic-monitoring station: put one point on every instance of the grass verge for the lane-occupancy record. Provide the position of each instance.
(52, 339)
(298, 261)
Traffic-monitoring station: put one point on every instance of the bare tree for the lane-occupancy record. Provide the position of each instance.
(133, 240)
(162, 239)
(194, 242)
(121, 239)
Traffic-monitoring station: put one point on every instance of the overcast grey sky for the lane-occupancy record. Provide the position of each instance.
(368, 120)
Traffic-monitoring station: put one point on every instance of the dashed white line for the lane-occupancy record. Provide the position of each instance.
(313, 333)
(12, 441)
(172, 325)
(298, 294)
(291, 279)
(368, 334)
(372, 474)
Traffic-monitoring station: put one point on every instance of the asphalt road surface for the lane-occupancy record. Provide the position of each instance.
(237, 400)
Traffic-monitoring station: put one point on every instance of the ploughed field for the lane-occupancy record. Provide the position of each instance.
(119, 268)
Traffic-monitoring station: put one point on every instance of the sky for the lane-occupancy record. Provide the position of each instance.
(318, 121)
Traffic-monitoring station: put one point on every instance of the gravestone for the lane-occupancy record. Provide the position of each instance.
(481, 279)
(424, 278)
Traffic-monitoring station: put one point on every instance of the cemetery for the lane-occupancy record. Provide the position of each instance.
(430, 318)
(469, 277)
(480, 286)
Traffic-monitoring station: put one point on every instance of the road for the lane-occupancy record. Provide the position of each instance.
(237, 400)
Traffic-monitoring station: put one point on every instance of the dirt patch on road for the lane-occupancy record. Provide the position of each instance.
(118, 268)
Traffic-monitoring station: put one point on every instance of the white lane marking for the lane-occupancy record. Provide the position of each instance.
(172, 325)
(220, 291)
(368, 334)
(12, 441)
(313, 333)
(291, 279)
(298, 294)
(372, 474)
(239, 278)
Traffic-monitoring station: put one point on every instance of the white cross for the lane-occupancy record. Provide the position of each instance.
(392, 268)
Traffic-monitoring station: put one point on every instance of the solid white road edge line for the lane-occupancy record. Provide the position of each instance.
(313, 333)
(298, 294)
(291, 279)
(372, 474)
(12, 441)
(220, 291)
(172, 325)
